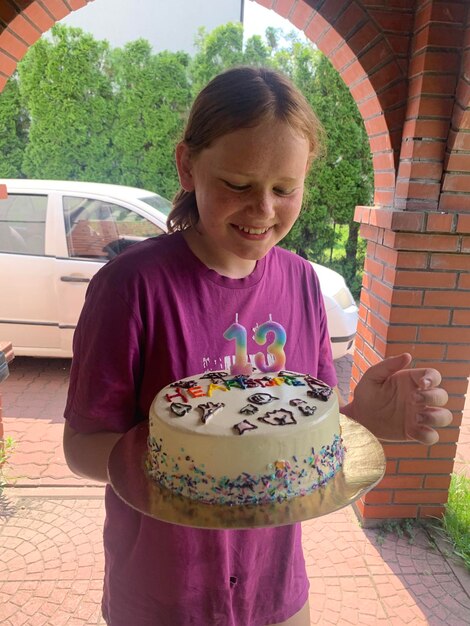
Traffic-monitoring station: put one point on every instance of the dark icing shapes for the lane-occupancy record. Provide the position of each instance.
(214, 377)
(281, 417)
(249, 409)
(239, 382)
(320, 393)
(305, 409)
(184, 384)
(315, 382)
(209, 409)
(318, 389)
(296, 402)
(261, 398)
(291, 378)
(241, 427)
(180, 409)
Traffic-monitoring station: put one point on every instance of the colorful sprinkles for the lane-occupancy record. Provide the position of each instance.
(280, 482)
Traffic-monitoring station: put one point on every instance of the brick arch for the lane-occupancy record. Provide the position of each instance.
(457, 161)
(354, 40)
(26, 26)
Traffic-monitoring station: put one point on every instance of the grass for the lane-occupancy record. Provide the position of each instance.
(456, 521)
(401, 528)
(453, 528)
(6, 447)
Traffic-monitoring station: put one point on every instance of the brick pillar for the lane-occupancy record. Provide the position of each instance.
(416, 287)
(415, 299)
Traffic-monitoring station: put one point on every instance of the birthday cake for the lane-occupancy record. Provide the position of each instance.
(245, 439)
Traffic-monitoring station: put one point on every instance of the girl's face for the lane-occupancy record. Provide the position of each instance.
(248, 186)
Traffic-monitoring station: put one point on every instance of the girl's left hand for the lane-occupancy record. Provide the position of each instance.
(398, 404)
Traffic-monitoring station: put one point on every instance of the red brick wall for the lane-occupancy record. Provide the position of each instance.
(407, 64)
(416, 299)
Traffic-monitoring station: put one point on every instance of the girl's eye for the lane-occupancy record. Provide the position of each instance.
(236, 187)
(283, 192)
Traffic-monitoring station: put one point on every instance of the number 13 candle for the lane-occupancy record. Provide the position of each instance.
(241, 367)
(275, 349)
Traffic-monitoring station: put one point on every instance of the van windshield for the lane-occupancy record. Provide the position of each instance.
(157, 202)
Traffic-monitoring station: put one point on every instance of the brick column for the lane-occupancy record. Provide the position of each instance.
(416, 299)
(416, 288)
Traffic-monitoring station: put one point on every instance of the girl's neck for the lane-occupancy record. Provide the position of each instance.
(227, 265)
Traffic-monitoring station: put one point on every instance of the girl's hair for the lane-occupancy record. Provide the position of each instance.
(241, 97)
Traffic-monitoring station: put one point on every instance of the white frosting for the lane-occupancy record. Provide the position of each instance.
(211, 461)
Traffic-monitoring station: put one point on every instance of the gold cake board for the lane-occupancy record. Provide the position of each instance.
(363, 468)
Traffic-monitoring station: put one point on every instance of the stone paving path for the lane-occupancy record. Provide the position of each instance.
(51, 533)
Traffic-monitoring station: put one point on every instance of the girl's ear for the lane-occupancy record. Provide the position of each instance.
(184, 166)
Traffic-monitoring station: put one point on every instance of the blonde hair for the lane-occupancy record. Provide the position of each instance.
(241, 97)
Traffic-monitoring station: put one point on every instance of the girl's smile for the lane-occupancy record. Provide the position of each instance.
(248, 186)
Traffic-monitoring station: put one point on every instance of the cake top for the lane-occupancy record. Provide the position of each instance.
(219, 403)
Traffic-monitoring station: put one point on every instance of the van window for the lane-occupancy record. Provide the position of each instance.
(101, 230)
(23, 224)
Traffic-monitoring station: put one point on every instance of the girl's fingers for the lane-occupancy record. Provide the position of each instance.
(432, 417)
(431, 397)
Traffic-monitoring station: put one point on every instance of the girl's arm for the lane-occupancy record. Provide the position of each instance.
(87, 454)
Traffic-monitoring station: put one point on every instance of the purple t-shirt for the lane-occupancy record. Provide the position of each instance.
(154, 315)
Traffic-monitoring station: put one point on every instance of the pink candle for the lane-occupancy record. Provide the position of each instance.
(275, 348)
(241, 366)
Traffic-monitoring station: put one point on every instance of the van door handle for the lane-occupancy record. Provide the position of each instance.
(74, 279)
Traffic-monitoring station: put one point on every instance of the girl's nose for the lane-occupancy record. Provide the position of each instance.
(263, 204)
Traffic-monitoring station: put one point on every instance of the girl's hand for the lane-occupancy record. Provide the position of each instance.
(398, 404)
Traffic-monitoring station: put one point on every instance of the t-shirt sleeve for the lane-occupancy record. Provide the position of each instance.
(106, 366)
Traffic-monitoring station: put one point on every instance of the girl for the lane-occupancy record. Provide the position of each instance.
(158, 312)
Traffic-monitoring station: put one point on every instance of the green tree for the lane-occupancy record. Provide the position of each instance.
(13, 130)
(66, 88)
(343, 177)
(215, 51)
(223, 48)
(152, 96)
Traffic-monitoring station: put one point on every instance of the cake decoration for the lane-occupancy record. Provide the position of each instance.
(179, 394)
(249, 409)
(196, 391)
(241, 427)
(262, 398)
(291, 378)
(215, 377)
(214, 387)
(320, 393)
(184, 384)
(180, 409)
(281, 417)
(209, 409)
(305, 409)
